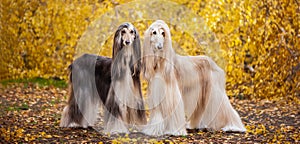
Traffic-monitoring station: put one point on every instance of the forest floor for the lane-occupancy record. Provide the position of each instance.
(31, 113)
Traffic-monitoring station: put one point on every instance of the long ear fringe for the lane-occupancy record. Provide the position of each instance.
(116, 68)
(117, 45)
(137, 53)
(148, 57)
(170, 53)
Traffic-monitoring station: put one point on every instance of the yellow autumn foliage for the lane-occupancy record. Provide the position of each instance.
(260, 40)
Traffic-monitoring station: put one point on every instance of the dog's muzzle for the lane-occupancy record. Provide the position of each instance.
(159, 46)
(126, 42)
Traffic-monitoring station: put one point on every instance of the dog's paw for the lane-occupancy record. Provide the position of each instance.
(233, 129)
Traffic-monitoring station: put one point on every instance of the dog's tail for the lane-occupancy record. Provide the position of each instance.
(82, 106)
(71, 115)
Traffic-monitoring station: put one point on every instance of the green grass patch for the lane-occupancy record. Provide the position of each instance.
(15, 107)
(39, 81)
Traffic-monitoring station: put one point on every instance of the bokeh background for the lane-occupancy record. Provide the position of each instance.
(259, 39)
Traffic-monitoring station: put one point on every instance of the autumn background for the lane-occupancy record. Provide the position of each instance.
(259, 42)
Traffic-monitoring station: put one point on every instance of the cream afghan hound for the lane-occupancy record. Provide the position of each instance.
(115, 82)
(202, 85)
(165, 100)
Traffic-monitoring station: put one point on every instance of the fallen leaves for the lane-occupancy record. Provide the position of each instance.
(265, 120)
(259, 129)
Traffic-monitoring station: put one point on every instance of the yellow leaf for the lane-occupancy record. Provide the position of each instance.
(48, 136)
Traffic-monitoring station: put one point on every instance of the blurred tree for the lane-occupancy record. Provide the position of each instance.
(260, 40)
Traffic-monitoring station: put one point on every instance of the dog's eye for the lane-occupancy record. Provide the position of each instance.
(123, 31)
(131, 31)
(154, 32)
(163, 33)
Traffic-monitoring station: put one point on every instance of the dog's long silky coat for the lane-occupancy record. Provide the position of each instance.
(201, 82)
(165, 100)
(93, 81)
(89, 83)
(125, 102)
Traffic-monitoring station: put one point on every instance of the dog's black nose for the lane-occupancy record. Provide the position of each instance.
(127, 42)
(159, 46)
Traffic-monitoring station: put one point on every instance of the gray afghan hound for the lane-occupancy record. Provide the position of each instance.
(201, 82)
(124, 103)
(114, 82)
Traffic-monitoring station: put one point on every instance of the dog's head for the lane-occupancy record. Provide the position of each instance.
(158, 40)
(126, 36)
(158, 35)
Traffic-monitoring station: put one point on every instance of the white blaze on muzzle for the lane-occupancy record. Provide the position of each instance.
(157, 38)
(128, 36)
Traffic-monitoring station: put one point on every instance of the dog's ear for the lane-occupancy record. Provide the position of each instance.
(168, 41)
(117, 56)
(166, 29)
(117, 45)
(137, 44)
(136, 53)
(169, 53)
(148, 56)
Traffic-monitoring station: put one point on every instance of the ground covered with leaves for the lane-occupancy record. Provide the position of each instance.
(31, 112)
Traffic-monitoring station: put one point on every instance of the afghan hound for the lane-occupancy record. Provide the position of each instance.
(165, 100)
(125, 105)
(202, 86)
(96, 80)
